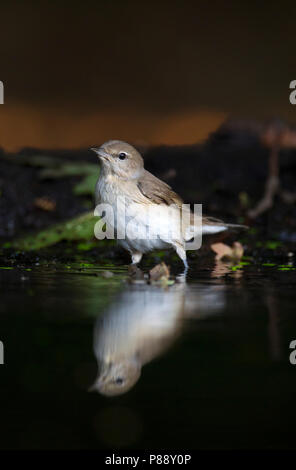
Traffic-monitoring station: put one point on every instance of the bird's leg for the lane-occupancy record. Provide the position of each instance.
(181, 252)
(136, 257)
(186, 266)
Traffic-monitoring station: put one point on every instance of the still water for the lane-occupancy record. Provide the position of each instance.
(95, 362)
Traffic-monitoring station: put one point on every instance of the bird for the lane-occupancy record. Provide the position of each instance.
(150, 205)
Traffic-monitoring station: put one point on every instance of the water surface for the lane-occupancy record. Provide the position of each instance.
(213, 358)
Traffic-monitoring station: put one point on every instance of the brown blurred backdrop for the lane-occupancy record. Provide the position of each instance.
(78, 73)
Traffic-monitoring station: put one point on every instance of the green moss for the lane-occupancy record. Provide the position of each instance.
(54, 168)
(272, 245)
(79, 228)
(86, 187)
(88, 171)
(85, 246)
(236, 267)
(63, 169)
(87, 265)
(7, 245)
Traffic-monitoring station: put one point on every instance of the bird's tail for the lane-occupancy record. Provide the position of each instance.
(236, 227)
(211, 226)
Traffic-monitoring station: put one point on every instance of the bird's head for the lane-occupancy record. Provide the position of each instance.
(120, 159)
(117, 378)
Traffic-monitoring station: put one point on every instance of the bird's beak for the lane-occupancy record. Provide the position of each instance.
(100, 152)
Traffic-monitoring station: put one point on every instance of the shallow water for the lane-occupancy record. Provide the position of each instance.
(212, 354)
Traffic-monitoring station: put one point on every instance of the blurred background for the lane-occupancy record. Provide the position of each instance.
(78, 73)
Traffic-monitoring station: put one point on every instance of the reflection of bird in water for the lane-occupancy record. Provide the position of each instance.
(141, 323)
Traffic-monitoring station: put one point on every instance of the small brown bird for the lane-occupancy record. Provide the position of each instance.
(151, 206)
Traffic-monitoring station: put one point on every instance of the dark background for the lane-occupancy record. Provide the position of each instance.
(78, 73)
(75, 75)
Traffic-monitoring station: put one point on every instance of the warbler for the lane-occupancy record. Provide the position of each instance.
(152, 210)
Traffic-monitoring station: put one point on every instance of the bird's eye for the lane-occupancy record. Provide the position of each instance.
(119, 381)
(122, 155)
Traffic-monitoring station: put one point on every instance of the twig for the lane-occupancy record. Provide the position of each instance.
(271, 187)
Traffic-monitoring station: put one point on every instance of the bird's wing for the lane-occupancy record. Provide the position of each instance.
(206, 220)
(157, 191)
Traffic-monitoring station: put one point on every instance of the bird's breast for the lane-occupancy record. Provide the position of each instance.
(136, 219)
